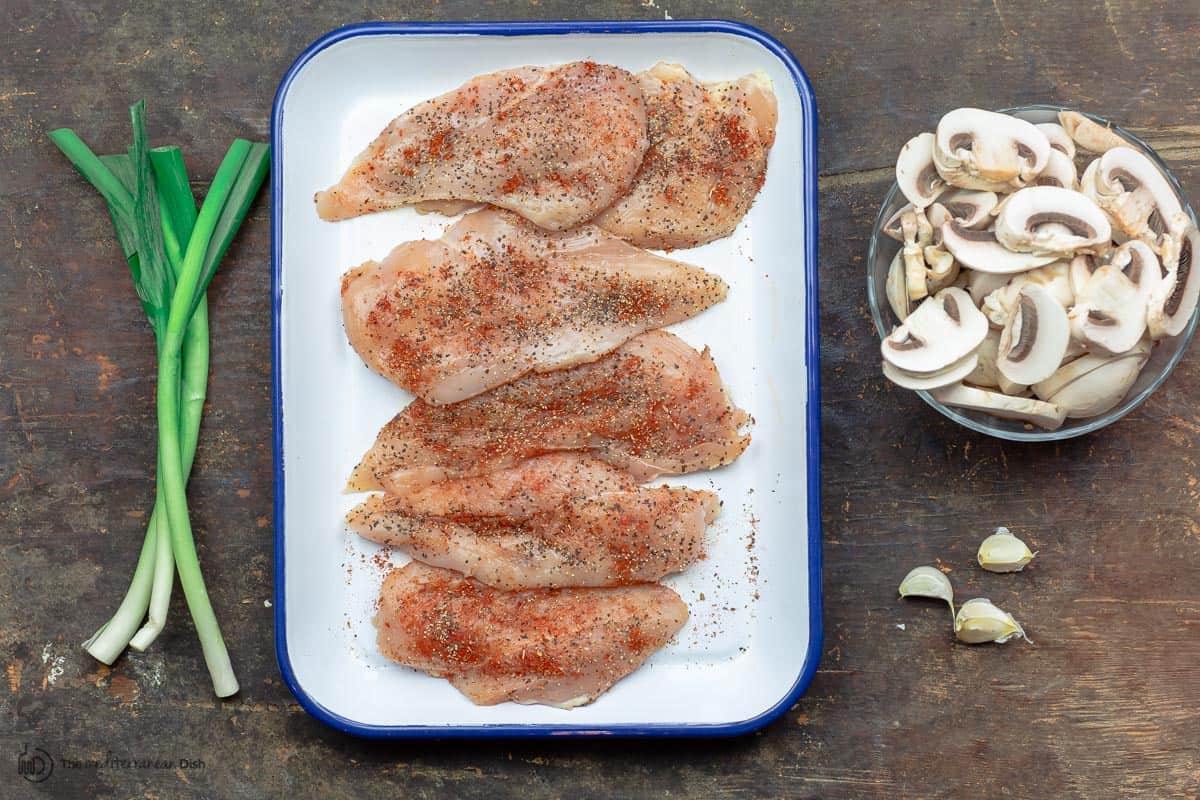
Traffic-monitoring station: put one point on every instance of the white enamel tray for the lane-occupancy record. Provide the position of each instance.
(753, 639)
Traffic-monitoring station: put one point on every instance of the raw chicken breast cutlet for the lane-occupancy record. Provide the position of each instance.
(554, 144)
(707, 159)
(497, 297)
(560, 647)
(609, 539)
(653, 406)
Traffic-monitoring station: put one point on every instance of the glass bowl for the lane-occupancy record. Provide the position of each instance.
(1163, 357)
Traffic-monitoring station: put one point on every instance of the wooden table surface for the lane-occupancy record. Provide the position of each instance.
(1105, 704)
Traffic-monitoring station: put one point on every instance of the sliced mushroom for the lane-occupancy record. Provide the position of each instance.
(970, 209)
(1027, 409)
(1000, 304)
(1025, 223)
(1110, 314)
(1130, 188)
(921, 383)
(897, 290)
(977, 149)
(1174, 301)
(916, 175)
(1093, 384)
(1139, 264)
(1081, 366)
(980, 284)
(1059, 171)
(1035, 338)
(892, 227)
(938, 333)
(982, 251)
(941, 268)
(985, 373)
(916, 237)
(1080, 272)
(1058, 137)
(1089, 134)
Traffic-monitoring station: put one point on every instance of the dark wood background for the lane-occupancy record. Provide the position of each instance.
(1105, 704)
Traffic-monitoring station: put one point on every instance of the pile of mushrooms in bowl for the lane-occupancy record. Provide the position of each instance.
(1040, 283)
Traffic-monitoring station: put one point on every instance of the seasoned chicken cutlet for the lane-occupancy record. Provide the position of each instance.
(654, 406)
(556, 145)
(559, 647)
(610, 539)
(497, 297)
(531, 486)
(707, 159)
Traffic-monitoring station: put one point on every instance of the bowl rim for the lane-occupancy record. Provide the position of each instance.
(1130, 402)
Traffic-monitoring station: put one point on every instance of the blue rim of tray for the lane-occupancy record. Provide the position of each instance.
(812, 362)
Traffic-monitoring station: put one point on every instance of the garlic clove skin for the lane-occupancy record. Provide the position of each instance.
(1003, 552)
(928, 582)
(979, 621)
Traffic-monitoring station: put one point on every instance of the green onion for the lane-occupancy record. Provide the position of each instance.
(172, 253)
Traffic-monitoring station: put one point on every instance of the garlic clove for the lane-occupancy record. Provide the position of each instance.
(928, 582)
(980, 621)
(1003, 552)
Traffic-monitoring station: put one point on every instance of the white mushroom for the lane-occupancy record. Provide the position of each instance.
(1089, 134)
(1140, 200)
(916, 175)
(897, 290)
(1085, 364)
(1000, 304)
(1059, 171)
(941, 268)
(1058, 137)
(970, 209)
(1080, 272)
(952, 374)
(1035, 338)
(1027, 409)
(1024, 224)
(1110, 313)
(938, 333)
(980, 284)
(977, 149)
(982, 251)
(892, 227)
(1174, 301)
(985, 373)
(917, 234)
(1139, 264)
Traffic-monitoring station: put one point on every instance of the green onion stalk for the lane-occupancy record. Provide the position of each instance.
(172, 253)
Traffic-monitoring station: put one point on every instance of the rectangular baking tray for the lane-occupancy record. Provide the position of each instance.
(753, 640)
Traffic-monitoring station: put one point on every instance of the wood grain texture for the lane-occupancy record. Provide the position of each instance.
(1105, 704)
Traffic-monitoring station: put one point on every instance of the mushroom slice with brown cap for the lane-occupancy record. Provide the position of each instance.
(970, 209)
(1035, 338)
(1058, 137)
(1026, 409)
(977, 149)
(939, 332)
(980, 250)
(1172, 304)
(1024, 224)
(1138, 197)
(1110, 314)
(1089, 134)
(916, 175)
(1060, 171)
(955, 373)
